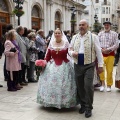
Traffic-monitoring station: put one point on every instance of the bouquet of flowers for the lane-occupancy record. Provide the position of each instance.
(39, 66)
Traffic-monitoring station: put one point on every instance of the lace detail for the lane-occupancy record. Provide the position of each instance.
(63, 47)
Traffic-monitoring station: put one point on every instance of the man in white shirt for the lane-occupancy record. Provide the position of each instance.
(84, 48)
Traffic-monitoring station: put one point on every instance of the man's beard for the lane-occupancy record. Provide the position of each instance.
(82, 31)
(107, 29)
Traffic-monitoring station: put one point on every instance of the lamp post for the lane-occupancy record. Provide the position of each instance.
(73, 9)
(115, 27)
(18, 7)
(96, 18)
(96, 24)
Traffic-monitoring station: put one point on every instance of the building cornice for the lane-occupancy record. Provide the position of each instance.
(74, 3)
(77, 4)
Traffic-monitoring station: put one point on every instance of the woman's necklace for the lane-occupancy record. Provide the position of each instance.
(58, 41)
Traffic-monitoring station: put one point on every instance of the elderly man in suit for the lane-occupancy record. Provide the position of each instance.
(84, 48)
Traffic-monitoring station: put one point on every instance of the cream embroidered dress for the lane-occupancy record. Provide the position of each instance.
(57, 87)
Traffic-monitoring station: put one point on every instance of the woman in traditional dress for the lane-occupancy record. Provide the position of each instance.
(56, 87)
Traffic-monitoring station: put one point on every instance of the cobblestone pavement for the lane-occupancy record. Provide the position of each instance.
(21, 105)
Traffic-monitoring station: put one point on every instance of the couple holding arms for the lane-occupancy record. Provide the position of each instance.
(63, 86)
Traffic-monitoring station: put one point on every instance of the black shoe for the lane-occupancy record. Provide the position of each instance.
(82, 110)
(55, 108)
(1, 85)
(25, 81)
(32, 80)
(88, 113)
(23, 84)
(12, 89)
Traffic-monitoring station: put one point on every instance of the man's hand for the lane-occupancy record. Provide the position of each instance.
(75, 54)
(106, 51)
(100, 70)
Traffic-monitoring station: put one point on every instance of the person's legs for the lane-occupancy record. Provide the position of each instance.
(102, 76)
(109, 70)
(10, 83)
(22, 74)
(116, 59)
(15, 80)
(88, 85)
(5, 71)
(31, 72)
(19, 81)
(89, 88)
(79, 77)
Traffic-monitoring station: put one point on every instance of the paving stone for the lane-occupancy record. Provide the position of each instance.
(21, 105)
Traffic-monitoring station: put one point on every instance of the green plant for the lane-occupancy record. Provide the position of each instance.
(18, 12)
(97, 27)
(73, 21)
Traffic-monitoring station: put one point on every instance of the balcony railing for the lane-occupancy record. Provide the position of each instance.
(106, 3)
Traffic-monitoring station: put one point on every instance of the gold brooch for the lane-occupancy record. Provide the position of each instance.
(57, 49)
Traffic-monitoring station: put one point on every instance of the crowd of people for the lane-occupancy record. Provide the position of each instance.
(22, 47)
(74, 64)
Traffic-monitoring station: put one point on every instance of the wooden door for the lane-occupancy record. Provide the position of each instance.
(36, 23)
(4, 20)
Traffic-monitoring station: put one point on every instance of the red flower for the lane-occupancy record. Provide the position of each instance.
(40, 63)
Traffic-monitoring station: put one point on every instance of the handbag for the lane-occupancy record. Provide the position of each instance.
(13, 50)
(117, 84)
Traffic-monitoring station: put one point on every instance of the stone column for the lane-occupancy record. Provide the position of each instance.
(49, 15)
(45, 17)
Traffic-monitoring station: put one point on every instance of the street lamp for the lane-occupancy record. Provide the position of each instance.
(96, 18)
(18, 8)
(73, 9)
(96, 24)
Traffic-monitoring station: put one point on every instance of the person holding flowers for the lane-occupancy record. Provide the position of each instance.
(56, 86)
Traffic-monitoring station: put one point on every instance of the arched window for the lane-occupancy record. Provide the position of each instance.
(97, 1)
(36, 18)
(35, 12)
(57, 20)
(4, 16)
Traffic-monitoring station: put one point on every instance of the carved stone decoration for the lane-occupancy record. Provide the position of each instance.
(3, 6)
(50, 2)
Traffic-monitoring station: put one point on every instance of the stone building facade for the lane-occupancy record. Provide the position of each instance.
(105, 11)
(41, 14)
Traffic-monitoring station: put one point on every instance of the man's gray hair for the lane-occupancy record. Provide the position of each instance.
(84, 20)
(19, 28)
